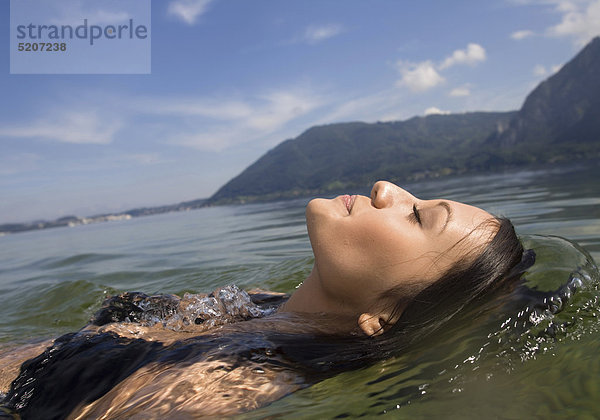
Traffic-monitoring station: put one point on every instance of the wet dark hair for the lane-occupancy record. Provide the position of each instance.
(468, 280)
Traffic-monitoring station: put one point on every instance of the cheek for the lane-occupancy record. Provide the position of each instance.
(369, 258)
(385, 242)
(395, 255)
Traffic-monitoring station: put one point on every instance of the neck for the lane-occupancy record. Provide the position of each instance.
(311, 297)
(321, 310)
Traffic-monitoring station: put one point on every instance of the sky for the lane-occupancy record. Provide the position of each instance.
(230, 80)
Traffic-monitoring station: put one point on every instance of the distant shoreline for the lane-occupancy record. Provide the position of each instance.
(72, 221)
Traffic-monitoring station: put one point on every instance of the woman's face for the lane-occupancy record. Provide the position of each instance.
(365, 246)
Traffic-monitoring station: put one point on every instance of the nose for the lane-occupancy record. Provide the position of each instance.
(385, 194)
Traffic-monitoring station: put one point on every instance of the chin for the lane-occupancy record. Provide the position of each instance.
(318, 207)
(318, 212)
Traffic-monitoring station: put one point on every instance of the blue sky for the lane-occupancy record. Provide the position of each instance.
(232, 79)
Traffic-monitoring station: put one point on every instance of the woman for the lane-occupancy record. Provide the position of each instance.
(374, 255)
(388, 270)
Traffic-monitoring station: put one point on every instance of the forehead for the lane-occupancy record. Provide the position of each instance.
(466, 220)
(466, 212)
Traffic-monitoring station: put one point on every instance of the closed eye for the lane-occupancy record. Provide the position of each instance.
(416, 216)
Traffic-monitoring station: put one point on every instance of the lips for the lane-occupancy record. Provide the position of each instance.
(348, 201)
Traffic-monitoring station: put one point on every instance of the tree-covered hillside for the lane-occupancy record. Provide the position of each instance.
(334, 156)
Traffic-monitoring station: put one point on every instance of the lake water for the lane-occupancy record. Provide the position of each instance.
(52, 281)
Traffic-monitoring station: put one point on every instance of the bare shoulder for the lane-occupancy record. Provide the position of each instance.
(13, 355)
(207, 388)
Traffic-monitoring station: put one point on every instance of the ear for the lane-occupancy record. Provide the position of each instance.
(373, 325)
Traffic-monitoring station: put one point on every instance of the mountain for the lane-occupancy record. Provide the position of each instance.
(559, 120)
(336, 156)
(562, 114)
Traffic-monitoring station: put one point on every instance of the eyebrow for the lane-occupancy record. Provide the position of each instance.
(448, 217)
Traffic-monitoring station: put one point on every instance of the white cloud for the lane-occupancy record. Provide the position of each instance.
(105, 17)
(264, 112)
(219, 109)
(424, 75)
(418, 77)
(473, 54)
(188, 10)
(143, 158)
(539, 70)
(206, 123)
(378, 106)
(216, 125)
(315, 34)
(580, 20)
(518, 35)
(281, 107)
(460, 91)
(96, 17)
(71, 127)
(435, 111)
(72, 13)
(566, 6)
